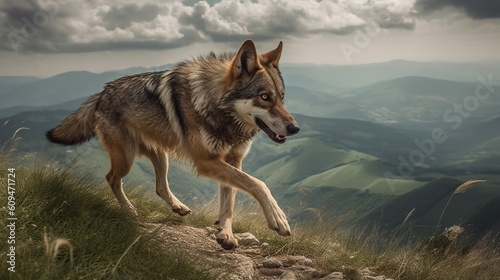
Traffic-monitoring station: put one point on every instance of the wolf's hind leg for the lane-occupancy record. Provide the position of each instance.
(160, 163)
(122, 159)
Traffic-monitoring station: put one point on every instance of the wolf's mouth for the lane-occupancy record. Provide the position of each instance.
(273, 136)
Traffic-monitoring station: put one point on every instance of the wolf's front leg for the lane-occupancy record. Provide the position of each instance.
(226, 174)
(224, 223)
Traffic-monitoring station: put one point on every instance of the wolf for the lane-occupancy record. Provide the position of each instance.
(205, 110)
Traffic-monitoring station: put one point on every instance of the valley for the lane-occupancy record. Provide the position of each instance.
(368, 150)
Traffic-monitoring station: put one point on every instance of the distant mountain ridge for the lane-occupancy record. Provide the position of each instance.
(359, 123)
(352, 76)
(390, 92)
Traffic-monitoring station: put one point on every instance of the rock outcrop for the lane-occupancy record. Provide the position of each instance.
(250, 260)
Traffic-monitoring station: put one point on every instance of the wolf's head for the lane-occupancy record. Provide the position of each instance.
(256, 92)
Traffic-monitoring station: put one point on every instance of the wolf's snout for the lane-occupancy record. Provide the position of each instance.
(292, 129)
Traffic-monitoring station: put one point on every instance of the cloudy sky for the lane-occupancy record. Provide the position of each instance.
(46, 37)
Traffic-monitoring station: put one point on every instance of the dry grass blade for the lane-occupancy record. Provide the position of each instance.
(46, 242)
(56, 244)
(409, 215)
(467, 185)
(52, 248)
(17, 131)
(125, 253)
(460, 189)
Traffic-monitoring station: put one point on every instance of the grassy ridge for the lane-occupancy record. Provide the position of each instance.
(97, 239)
(70, 227)
(394, 255)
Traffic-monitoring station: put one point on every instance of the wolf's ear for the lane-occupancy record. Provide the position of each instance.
(273, 56)
(246, 60)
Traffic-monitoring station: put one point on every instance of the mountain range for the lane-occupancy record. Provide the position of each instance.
(376, 141)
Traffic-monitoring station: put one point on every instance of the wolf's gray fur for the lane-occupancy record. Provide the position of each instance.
(206, 110)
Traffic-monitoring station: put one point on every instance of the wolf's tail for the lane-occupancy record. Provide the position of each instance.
(77, 127)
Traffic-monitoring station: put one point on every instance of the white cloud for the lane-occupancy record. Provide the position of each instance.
(79, 26)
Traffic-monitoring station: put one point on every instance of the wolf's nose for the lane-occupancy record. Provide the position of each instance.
(292, 129)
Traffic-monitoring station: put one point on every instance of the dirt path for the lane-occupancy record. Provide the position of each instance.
(248, 261)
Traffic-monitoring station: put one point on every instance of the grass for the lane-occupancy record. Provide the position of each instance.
(460, 189)
(69, 227)
(349, 251)
(395, 255)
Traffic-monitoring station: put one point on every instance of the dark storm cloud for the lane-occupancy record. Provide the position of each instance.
(25, 22)
(82, 26)
(476, 9)
(229, 20)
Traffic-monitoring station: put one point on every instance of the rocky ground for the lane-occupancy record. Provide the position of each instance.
(250, 260)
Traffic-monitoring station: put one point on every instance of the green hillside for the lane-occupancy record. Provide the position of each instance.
(419, 99)
(302, 157)
(71, 227)
(360, 125)
(332, 164)
(365, 175)
(472, 209)
(320, 104)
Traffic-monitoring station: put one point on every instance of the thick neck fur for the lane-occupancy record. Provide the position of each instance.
(207, 79)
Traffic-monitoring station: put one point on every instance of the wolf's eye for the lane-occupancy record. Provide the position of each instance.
(264, 96)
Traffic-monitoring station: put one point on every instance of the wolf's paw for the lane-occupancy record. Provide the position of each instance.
(227, 240)
(181, 209)
(276, 220)
(280, 225)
